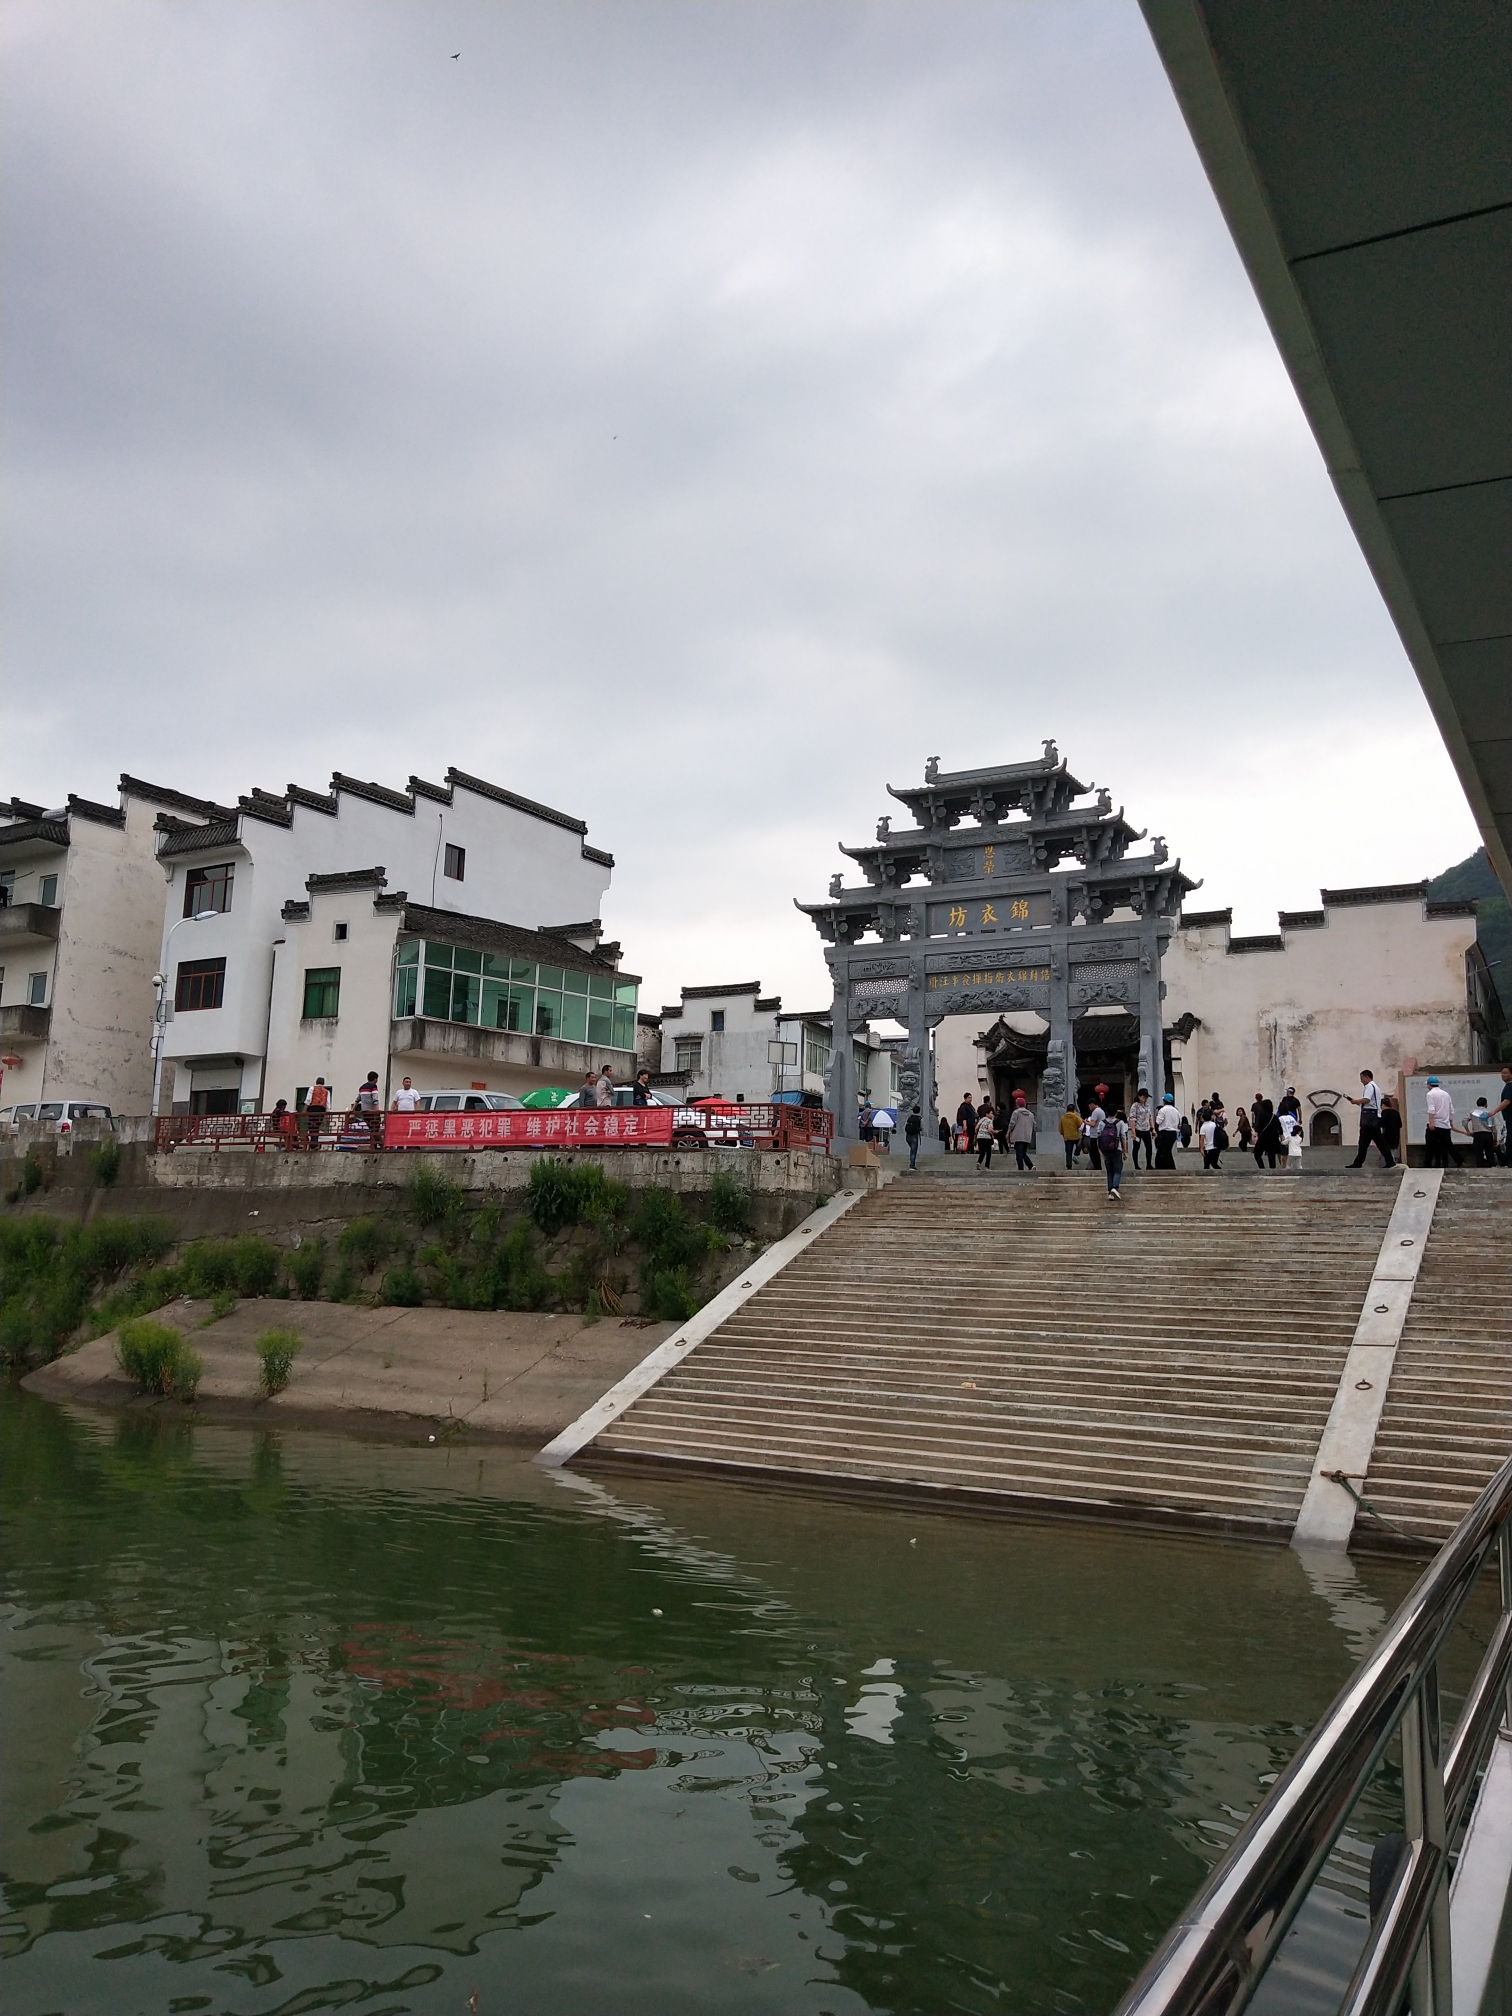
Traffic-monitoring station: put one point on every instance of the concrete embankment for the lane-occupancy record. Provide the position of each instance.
(415, 1373)
(208, 1192)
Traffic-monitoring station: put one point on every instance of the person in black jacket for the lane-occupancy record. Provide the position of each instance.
(1267, 1132)
(913, 1128)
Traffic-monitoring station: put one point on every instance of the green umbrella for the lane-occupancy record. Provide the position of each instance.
(547, 1095)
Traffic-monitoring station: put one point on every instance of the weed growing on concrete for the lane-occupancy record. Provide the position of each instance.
(729, 1203)
(221, 1306)
(277, 1349)
(158, 1359)
(107, 1163)
(50, 1272)
(342, 1286)
(668, 1295)
(403, 1287)
(435, 1199)
(366, 1242)
(29, 1182)
(306, 1268)
(248, 1264)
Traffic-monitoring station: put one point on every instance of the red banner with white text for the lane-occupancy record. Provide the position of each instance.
(608, 1127)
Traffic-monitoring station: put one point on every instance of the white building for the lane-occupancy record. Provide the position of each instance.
(233, 955)
(81, 920)
(734, 1042)
(1377, 978)
(444, 998)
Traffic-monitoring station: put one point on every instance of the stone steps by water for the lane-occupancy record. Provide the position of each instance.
(1174, 1356)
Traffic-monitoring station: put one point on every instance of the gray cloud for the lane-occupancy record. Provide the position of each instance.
(692, 415)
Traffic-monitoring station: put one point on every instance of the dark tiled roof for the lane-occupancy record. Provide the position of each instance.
(503, 797)
(295, 913)
(597, 854)
(263, 805)
(1386, 892)
(313, 801)
(1262, 942)
(380, 794)
(1460, 907)
(485, 934)
(770, 1004)
(215, 833)
(173, 801)
(1301, 920)
(86, 808)
(348, 878)
(710, 993)
(442, 793)
(55, 831)
(1198, 920)
(21, 808)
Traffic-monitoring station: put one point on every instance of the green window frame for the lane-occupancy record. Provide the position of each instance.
(406, 985)
(322, 993)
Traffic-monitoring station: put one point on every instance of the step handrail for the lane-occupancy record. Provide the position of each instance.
(1213, 1959)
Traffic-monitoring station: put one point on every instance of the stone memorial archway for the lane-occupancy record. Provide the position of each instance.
(982, 918)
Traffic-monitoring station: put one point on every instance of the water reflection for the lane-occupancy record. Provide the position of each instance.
(306, 1724)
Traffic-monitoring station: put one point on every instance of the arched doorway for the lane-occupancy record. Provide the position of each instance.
(1325, 1131)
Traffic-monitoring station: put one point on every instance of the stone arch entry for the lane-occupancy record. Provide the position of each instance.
(974, 919)
(1325, 1131)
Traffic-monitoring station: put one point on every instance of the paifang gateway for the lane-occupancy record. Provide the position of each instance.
(981, 918)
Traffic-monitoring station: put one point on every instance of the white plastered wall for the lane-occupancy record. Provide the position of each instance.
(342, 1048)
(100, 1034)
(1377, 985)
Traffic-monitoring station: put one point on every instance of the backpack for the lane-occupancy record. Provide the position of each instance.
(1220, 1138)
(1107, 1139)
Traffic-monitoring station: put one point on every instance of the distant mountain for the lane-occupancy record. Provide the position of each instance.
(1493, 918)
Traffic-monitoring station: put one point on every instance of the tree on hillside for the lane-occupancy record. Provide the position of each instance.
(1475, 880)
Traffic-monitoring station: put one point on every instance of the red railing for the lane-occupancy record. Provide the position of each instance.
(262, 1132)
(764, 1126)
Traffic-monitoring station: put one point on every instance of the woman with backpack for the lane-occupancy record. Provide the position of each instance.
(1113, 1140)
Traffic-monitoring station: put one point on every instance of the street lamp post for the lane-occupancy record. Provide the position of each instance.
(160, 1008)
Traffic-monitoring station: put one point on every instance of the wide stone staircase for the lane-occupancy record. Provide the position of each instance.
(1447, 1423)
(1173, 1357)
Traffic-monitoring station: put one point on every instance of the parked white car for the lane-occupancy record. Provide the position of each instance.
(465, 1101)
(61, 1112)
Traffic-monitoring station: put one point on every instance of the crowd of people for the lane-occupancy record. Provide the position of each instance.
(1107, 1137)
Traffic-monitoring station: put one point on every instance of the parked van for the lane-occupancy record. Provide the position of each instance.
(61, 1112)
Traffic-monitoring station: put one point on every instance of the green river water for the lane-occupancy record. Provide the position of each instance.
(298, 1723)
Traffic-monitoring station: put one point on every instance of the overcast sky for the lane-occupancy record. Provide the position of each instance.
(693, 415)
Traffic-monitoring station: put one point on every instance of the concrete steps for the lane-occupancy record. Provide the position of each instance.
(1447, 1423)
(1172, 1357)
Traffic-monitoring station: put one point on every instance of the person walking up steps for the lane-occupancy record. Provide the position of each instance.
(913, 1132)
(317, 1104)
(984, 1141)
(1092, 1128)
(1111, 1141)
(1208, 1133)
(1021, 1131)
(1167, 1132)
(1070, 1133)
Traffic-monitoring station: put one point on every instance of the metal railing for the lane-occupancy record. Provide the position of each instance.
(1215, 1957)
(260, 1132)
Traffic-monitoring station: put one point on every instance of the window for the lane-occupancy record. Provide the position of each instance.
(48, 892)
(689, 1050)
(36, 990)
(7, 888)
(201, 984)
(322, 993)
(716, 1021)
(863, 1069)
(456, 863)
(449, 983)
(339, 932)
(816, 1052)
(207, 889)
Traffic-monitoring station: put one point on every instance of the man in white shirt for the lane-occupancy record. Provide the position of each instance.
(1440, 1125)
(1208, 1135)
(1369, 1103)
(1167, 1132)
(406, 1099)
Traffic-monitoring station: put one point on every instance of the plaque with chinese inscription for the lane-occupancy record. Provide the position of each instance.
(976, 914)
